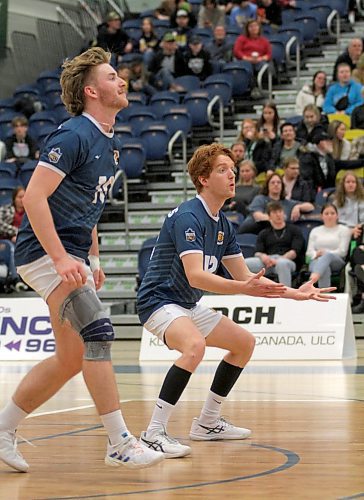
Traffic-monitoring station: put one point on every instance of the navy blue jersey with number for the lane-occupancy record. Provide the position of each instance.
(190, 228)
(87, 158)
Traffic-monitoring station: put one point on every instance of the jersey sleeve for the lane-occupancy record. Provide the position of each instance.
(61, 151)
(187, 234)
(232, 249)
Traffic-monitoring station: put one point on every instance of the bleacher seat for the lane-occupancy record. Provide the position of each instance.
(140, 118)
(219, 84)
(7, 257)
(160, 101)
(241, 73)
(188, 82)
(321, 12)
(310, 27)
(197, 102)
(7, 187)
(247, 242)
(155, 138)
(132, 158)
(341, 117)
(123, 132)
(177, 117)
(7, 170)
(26, 171)
(323, 195)
(306, 226)
(39, 120)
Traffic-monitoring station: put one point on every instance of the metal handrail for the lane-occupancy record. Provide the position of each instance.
(360, 7)
(297, 62)
(265, 68)
(220, 123)
(125, 202)
(116, 8)
(90, 12)
(71, 22)
(171, 143)
(334, 15)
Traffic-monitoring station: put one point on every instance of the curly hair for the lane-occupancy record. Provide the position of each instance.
(202, 161)
(340, 195)
(76, 74)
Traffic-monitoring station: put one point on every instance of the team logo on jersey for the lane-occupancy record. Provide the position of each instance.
(220, 237)
(54, 155)
(190, 235)
(116, 156)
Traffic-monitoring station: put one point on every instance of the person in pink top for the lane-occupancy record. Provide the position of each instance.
(253, 47)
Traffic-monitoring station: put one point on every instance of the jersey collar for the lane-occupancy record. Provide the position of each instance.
(96, 123)
(206, 207)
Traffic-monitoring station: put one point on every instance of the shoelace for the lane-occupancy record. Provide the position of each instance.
(168, 438)
(25, 440)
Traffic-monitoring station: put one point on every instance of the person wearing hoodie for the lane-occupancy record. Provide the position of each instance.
(312, 94)
(345, 94)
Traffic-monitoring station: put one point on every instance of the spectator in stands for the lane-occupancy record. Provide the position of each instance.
(11, 215)
(148, 42)
(295, 187)
(197, 59)
(228, 5)
(123, 72)
(327, 246)
(219, 48)
(350, 56)
(238, 151)
(245, 188)
(341, 146)
(357, 116)
(285, 147)
(273, 190)
(167, 64)
(310, 125)
(20, 147)
(211, 14)
(270, 12)
(182, 30)
(181, 5)
(349, 200)
(258, 150)
(357, 149)
(287, 4)
(2, 151)
(279, 247)
(345, 94)
(358, 72)
(139, 78)
(242, 12)
(111, 36)
(268, 123)
(165, 10)
(253, 48)
(357, 263)
(312, 94)
(317, 165)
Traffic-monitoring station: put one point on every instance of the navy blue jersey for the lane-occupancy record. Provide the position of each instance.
(87, 159)
(190, 228)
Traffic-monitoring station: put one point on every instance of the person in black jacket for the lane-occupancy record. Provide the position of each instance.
(111, 37)
(20, 147)
(197, 59)
(295, 187)
(257, 150)
(357, 116)
(167, 63)
(311, 124)
(350, 56)
(317, 165)
(285, 147)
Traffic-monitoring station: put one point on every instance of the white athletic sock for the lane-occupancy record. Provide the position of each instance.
(211, 409)
(11, 416)
(115, 426)
(161, 415)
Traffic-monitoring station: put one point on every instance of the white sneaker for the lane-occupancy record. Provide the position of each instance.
(9, 452)
(160, 441)
(131, 453)
(221, 430)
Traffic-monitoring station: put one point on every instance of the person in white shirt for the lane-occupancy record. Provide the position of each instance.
(349, 200)
(312, 94)
(327, 246)
(341, 146)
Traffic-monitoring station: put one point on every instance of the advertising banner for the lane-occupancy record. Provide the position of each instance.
(284, 329)
(25, 329)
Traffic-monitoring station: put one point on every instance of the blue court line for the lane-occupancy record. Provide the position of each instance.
(358, 495)
(292, 459)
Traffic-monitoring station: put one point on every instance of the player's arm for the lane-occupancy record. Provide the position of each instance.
(43, 183)
(251, 285)
(240, 272)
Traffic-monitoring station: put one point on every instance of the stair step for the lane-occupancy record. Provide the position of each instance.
(118, 287)
(117, 241)
(174, 197)
(119, 263)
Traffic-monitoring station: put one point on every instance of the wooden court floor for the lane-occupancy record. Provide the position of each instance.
(307, 443)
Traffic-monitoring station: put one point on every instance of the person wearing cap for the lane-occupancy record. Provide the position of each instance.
(111, 37)
(167, 64)
(186, 6)
(345, 94)
(182, 31)
(317, 166)
(211, 14)
(197, 59)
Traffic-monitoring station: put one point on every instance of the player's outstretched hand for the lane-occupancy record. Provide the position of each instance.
(262, 288)
(307, 291)
(71, 271)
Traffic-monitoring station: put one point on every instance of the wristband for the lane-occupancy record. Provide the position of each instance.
(94, 262)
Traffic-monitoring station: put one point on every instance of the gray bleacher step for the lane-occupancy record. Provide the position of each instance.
(147, 220)
(173, 197)
(179, 178)
(118, 287)
(119, 263)
(117, 242)
(110, 226)
(321, 65)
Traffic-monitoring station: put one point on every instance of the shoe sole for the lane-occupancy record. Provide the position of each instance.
(196, 437)
(13, 466)
(130, 465)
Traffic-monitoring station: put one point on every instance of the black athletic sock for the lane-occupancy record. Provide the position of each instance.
(174, 384)
(225, 377)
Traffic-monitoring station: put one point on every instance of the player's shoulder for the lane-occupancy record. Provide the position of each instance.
(188, 209)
